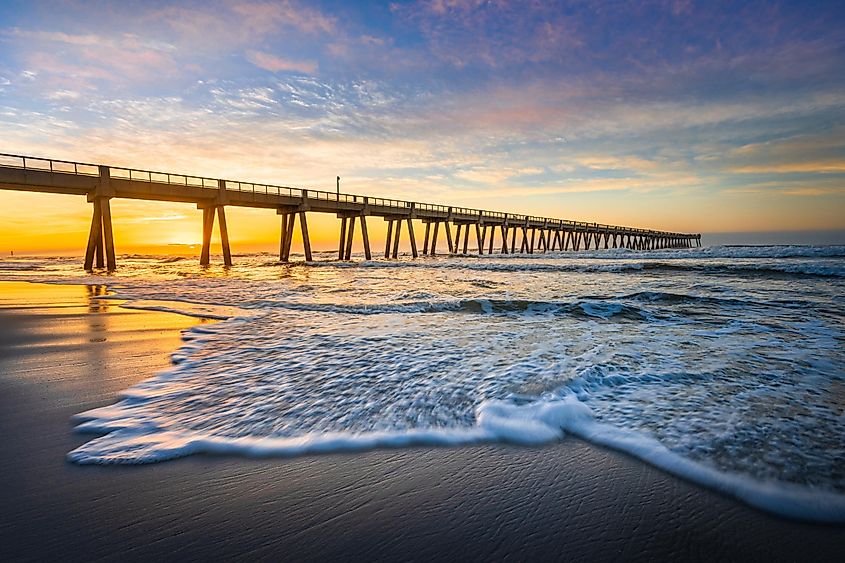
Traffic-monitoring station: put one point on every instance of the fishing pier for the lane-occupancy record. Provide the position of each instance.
(489, 231)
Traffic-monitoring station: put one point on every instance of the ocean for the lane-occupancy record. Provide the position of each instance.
(722, 364)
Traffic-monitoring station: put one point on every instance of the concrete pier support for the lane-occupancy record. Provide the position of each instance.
(341, 246)
(207, 226)
(434, 237)
(396, 235)
(95, 239)
(101, 246)
(284, 242)
(208, 215)
(347, 235)
(425, 238)
(458, 231)
(286, 238)
(480, 238)
(306, 240)
(365, 236)
(389, 238)
(100, 237)
(224, 236)
(412, 237)
(350, 234)
(108, 235)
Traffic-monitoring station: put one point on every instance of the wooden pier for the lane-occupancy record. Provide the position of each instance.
(489, 231)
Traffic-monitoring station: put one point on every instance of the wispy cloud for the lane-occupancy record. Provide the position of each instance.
(223, 25)
(279, 64)
(812, 167)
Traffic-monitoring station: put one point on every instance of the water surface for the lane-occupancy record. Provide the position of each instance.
(721, 364)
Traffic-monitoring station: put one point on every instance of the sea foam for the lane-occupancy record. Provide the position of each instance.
(497, 421)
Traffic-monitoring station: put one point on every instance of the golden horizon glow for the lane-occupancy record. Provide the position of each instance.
(175, 228)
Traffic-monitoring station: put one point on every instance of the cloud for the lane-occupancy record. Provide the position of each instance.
(174, 42)
(609, 162)
(89, 58)
(63, 95)
(265, 17)
(279, 64)
(812, 167)
(804, 192)
(56, 36)
(226, 25)
(817, 152)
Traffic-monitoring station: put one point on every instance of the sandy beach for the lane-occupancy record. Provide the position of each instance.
(63, 351)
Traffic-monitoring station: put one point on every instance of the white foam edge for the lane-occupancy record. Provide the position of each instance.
(146, 305)
(533, 424)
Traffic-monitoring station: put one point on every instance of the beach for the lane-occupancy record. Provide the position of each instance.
(63, 351)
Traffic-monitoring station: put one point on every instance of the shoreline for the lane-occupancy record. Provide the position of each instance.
(65, 351)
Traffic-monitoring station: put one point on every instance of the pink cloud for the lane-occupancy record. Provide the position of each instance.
(49, 63)
(232, 24)
(267, 16)
(90, 57)
(56, 36)
(278, 64)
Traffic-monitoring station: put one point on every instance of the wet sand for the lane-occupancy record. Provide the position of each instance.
(62, 351)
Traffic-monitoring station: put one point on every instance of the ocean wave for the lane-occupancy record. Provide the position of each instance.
(587, 309)
(815, 269)
(536, 423)
(19, 266)
(201, 311)
(634, 307)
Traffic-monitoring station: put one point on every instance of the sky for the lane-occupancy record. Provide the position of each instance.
(701, 117)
